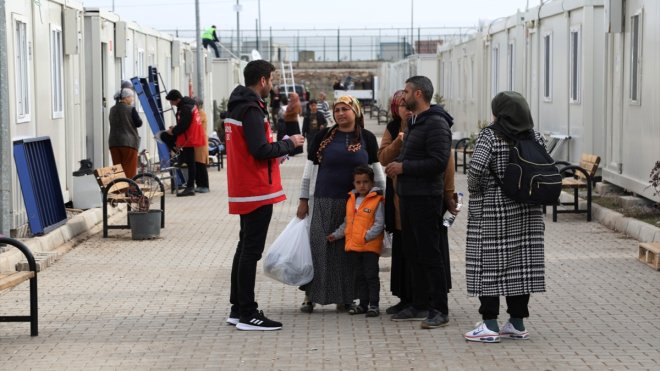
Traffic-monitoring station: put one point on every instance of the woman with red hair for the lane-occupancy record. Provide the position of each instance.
(291, 114)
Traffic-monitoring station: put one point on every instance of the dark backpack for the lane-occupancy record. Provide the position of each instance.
(531, 176)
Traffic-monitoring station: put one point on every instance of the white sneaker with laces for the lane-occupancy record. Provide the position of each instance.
(483, 334)
(509, 331)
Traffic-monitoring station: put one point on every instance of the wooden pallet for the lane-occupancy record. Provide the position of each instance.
(649, 253)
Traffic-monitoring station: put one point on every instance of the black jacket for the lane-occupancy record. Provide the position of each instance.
(425, 153)
(320, 120)
(184, 112)
(248, 108)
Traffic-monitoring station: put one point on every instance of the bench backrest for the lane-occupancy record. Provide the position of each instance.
(589, 163)
(105, 175)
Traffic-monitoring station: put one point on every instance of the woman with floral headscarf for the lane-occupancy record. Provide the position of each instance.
(327, 180)
(390, 148)
(291, 114)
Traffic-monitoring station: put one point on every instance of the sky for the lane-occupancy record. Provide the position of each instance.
(305, 14)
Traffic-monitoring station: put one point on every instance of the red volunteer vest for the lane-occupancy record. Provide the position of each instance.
(252, 183)
(195, 135)
(359, 221)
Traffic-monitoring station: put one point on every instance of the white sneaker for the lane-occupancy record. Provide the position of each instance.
(508, 331)
(483, 334)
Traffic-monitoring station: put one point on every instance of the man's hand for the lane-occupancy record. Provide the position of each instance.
(303, 208)
(393, 169)
(451, 204)
(297, 139)
(400, 136)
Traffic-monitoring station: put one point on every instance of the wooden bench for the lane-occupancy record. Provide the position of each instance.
(116, 188)
(11, 279)
(383, 116)
(217, 152)
(461, 148)
(649, 253)
(576, 178)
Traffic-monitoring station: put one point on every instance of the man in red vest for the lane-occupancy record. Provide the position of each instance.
(254, 185)
(189, 134)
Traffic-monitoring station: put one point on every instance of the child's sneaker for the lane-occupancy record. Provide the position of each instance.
(373, 311)
(483, 334)
(509, 331)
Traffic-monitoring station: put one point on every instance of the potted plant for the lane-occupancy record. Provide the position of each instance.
(654, 179)
(145, 222)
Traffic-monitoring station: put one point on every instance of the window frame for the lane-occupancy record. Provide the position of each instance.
(22, 67)
(494, 70)
(575, 65)
(57, 71)
(547, 67)
(511, 65)
(634, 87)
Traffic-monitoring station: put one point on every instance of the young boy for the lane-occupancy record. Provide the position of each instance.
(363, 230)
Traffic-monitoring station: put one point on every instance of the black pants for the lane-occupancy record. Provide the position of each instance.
(252, 239)
(188, 158)
(206, 43)
(367, 283)
(421, 217)
(400, 272)
(516, 306)
(201, 175)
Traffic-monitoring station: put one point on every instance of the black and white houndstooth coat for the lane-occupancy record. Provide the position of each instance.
(504, 254)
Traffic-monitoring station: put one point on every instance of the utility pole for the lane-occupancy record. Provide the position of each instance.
(238, 29)
(259, 36)
(199, 89)
(412, 11)
(5, 141)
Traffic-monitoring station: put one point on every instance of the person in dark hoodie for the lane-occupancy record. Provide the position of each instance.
(419, 171)
(254, 185)
(189, 134)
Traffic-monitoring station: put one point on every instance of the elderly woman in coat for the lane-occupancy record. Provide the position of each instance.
(504, 254)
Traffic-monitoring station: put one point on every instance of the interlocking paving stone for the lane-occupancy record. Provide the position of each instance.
(116, 303)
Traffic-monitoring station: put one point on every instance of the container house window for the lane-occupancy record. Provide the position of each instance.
(57, 86)
(510, 61)
(547, 67)
(635, 58)
(575, 65)
(494, 69)
(22, 69)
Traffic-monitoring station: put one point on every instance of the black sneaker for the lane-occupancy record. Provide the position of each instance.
(186, 192)
(435, 319)
(373, 311)
(258, 322)
(233, 318)
(394, 309)
(410, 314)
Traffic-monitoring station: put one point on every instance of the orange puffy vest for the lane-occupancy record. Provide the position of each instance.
(359, 221)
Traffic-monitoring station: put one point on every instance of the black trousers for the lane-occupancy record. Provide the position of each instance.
(400, 274)
(188, 158)
(201, 175)
(252, 239)
(421, 217)
(516, 306)
(367, 283)
(206, 43)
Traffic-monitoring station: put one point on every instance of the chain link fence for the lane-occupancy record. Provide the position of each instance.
(334, 45)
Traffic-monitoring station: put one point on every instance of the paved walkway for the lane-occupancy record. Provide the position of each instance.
(121, 304)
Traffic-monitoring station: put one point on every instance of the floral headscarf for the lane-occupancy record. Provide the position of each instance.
(351, 102)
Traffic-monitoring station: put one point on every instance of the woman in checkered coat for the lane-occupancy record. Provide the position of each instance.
(504, 255)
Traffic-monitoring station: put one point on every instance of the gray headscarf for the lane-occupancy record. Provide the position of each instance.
(511, 113)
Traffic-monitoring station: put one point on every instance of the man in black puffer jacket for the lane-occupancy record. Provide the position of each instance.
(419, 170)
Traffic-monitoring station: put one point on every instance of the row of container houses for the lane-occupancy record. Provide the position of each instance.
(65, 62)
(588, 68)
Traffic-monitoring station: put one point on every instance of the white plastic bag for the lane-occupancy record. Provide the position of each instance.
(289, 258)
(386, 251)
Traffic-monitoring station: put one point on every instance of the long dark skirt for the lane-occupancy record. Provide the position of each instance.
(333, 281)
